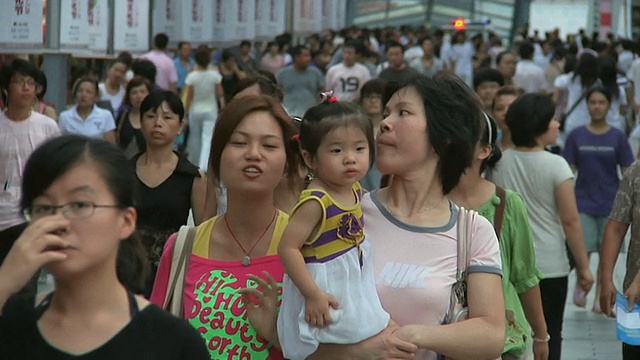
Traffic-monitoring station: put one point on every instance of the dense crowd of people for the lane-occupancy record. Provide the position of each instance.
(325, 187)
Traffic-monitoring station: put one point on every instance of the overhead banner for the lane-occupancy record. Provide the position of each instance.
(74, 24)
(270, 18)
(166, 18)
(21, 23)
(131, 26)
(308, 16)
(98, 24)
(234, 20)
(196, 25)
(246, 21)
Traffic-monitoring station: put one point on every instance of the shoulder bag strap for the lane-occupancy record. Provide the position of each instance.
(499, 215)
(466, 219)
(179, 261)
(575, 105)
(462, 243)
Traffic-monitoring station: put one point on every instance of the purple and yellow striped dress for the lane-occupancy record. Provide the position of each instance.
(339, 260)
(340, 231)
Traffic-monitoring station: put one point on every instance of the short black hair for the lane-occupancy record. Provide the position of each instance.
(153, 101)
(393, 44)
(183, 43)
(161, 40)
(125, 58)
(356, 45)
(528, 117)
(297, 50)
(54, 158)
(227, 55)
(245, 43)
(14, 67)
(526, 50)
(503, 54)
(453, 113)
(202, 57)
(487, 75)
(146, 69)
(373, 86)
(601, 90)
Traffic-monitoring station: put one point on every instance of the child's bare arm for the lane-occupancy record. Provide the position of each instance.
(302, 224)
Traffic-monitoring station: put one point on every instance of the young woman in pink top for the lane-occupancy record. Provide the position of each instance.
(251, 150)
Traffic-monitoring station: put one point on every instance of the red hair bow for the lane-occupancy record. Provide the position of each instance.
(327, 97)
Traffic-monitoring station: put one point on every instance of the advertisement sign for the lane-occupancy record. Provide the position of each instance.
(131, 26)
(233, 20)
(21, 23)
(166, 18)
(98, 25)
(270, 18)
(196, 24)
(74, 24)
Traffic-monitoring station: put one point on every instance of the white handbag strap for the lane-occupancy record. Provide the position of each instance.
(466, 219)
(181, 251)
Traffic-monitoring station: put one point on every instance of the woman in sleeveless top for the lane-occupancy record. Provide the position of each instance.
(129, 135)
(169, 185)
(251, 149)
(79, 202)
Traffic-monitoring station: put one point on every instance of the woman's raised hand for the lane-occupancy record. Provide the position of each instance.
(37, 246)
(262, 306)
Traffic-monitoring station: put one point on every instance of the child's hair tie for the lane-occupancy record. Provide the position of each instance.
(327, 97)
(296, 138)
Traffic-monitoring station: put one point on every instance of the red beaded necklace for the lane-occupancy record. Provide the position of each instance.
(246, 260)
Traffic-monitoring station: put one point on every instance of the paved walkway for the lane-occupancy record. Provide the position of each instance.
(589, 336)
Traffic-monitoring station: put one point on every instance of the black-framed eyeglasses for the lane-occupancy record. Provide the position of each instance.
(76, 210)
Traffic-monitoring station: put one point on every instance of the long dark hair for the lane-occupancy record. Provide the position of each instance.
(587, 69)
(57, 156)
(609, 75)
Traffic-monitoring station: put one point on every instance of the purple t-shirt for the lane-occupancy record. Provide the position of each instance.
(597, 158)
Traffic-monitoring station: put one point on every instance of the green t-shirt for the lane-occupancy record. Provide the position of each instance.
(519, 272)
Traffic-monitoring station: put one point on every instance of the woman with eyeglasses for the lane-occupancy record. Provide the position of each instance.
(85, 117)
(79, 199)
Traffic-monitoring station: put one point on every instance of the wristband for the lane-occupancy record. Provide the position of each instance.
(540, 340)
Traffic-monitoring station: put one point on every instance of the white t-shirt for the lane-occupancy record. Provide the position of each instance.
(462, 54)
(536, 175)
(580, 115)
(18, 139)
(96, 125)
(347, 81)
(415, 267)
(530, 77)
(116, 99)
(204, 90)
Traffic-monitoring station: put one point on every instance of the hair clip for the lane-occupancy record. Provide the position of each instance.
(327, 97)
(296, 137)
